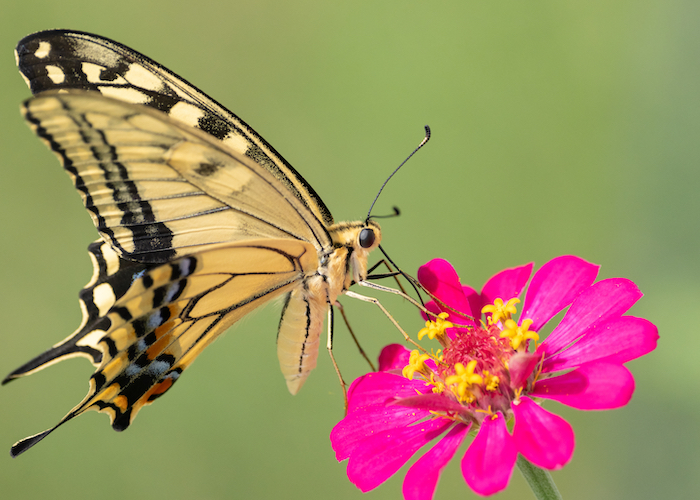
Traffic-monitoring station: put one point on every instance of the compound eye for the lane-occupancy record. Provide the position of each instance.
(367, 238)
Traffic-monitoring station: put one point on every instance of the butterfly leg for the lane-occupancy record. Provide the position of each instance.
(376, 302)
(400, 293)
(329, 346)
(352, 334)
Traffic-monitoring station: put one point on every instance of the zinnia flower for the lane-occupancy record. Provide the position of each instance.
(491, 371)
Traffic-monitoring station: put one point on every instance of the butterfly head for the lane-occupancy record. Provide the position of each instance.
(355, 240)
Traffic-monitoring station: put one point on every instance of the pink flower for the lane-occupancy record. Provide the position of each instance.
(491, 371)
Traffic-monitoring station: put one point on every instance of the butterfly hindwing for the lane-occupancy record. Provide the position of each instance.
(145, 323)
(112, 277)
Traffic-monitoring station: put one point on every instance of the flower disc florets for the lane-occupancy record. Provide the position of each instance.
(473, 366)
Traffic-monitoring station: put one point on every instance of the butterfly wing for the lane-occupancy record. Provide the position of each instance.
(143, 324)
(188, 246)
(157, 189)
(63, 59)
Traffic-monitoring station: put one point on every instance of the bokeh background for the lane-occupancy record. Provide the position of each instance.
(558, 127)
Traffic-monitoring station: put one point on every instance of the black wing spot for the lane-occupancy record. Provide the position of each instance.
(207, 169)
(111, 346)
(214, 125)
(111, 74)
(123, 313)
(140, 327)
(147, 281)
(161, 102)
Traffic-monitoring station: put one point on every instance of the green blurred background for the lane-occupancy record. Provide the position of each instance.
(558, 127)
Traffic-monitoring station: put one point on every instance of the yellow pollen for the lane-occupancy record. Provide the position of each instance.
(435, 328)
(500, 311)
(415, 364)
(491, 381)
(464, 377)
(518, 334)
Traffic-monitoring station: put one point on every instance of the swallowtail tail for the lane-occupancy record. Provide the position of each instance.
(201, 221)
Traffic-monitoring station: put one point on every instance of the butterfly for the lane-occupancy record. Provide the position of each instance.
(201, 221)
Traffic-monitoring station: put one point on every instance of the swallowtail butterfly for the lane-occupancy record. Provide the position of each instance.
(201, 221)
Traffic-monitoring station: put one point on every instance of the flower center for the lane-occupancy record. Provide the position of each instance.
(473, 367)
(463, 378)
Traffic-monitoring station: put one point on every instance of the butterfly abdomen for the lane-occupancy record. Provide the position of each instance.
(298, 337)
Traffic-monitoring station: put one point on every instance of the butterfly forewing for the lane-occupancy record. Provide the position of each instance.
(63, 59)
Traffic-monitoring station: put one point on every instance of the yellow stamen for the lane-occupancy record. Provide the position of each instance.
(487, 411)
(518, 334)
(415, 364)
(500, 311)
(464, 377)
(435, 328)
(438, 385)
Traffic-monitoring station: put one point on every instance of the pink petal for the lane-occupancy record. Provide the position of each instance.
(616, 341)
(507, 284)
(593, 386)
(554, 286)
(488, 463)
(378, 457)
(422, 478)
(349, 433)
(474, 300)
(439, 278)
(393, 357)
(521, 366)
(380, 388)
(545, 439)
(601, 302)
(430, 402)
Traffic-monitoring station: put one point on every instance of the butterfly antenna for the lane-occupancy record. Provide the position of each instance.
(422, 143)
(396, 213)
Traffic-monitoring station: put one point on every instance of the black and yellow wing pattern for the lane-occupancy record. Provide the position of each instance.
(200, 222)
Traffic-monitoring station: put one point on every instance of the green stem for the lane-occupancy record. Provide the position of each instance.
(540, 480)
